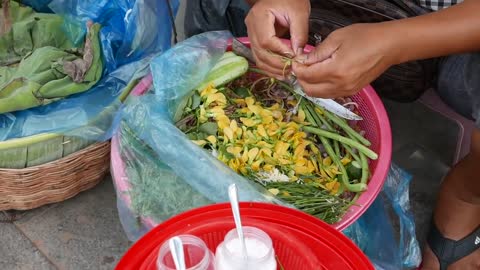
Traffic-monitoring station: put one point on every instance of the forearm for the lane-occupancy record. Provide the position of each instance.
(450, 31)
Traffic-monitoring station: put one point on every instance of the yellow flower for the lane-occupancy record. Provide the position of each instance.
(281, 148)
(261, 131)
(346, 160)
(228, 133)
(199, 142)
(264, 144)
(215, 112)
(223, 121)
(219, 98)
(252, 154)
(266, 152)
(327, 161)
(239, 101)
(256, 165)
(234, 164)
(333, 187)
(277, 115)
(245, 155)
(268, 167)
(267, 117)
(212, 139)
(248, 122)
(274, 191)
(234, 150)
(208, 90)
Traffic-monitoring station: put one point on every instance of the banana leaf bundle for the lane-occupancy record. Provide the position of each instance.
(39, 64)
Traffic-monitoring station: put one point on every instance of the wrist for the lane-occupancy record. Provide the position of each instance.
(395, 42)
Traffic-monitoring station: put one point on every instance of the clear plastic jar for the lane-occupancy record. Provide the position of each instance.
(197, 255)
(261, 254)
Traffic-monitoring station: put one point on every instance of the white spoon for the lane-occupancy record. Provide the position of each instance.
(233, 195)
(176, 248)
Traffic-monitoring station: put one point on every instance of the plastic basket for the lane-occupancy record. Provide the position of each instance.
(376, 125)
(301, 241)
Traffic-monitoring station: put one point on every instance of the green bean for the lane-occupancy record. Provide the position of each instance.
(327, 134)
(344, 125)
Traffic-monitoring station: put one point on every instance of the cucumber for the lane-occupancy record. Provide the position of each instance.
(354, 170)
(226, 70)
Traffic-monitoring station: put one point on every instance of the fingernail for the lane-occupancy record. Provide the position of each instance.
(299, 51)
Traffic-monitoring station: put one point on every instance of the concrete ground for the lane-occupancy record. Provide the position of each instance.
(85, 233)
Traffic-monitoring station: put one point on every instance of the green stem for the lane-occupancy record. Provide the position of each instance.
(327, 134)
(365, 168)
(350, 151)
(344, 125)
(319, 119)
(346, 182)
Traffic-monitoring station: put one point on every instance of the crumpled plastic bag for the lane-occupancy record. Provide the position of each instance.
(133, 31)
(375, 233)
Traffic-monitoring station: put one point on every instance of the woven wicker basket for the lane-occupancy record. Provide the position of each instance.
(28, 188)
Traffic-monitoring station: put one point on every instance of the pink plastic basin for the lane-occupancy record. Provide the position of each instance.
(376, 125)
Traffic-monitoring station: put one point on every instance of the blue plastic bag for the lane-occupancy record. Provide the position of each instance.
(374, 232)
(132, 32)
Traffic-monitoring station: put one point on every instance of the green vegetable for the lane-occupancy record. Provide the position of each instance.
(323, 133)
(227, 69)
(354, 170)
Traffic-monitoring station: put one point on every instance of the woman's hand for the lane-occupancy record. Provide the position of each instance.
(266, 21)
(348, 60)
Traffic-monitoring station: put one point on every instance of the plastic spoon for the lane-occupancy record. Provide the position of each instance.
(176, 248)
(233, 195)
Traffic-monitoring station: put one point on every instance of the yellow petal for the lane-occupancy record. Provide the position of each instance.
(223, 121)
(274, 191)
(216, 111)
(281, 148)
(346, 160)
(268, 167)
(199, 142)
(252, 154)
(233, 125)
(327, 161)
(245, 155)
(228, 133)
(264, 144)
(212, 139)
(333, 187)
(256, 165)
(234, 150)
(249, 101)
(301, 115)
(208, 90)
(261, 131)
(248, 122)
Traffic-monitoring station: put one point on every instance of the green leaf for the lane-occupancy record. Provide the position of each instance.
(242, 92)
(196, 101)
(209, 128)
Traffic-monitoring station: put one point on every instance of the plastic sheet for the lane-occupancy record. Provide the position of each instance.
(376, 234)
(133, 31)
(163, 180)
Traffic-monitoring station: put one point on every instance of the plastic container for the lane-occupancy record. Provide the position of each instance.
(376, 125)
(197, 255)
(301, 241)
(261, 254)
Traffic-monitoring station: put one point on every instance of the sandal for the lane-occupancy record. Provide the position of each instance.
(450, 251)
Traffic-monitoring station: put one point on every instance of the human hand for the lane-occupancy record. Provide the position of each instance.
(349, 59)
(266, 20)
